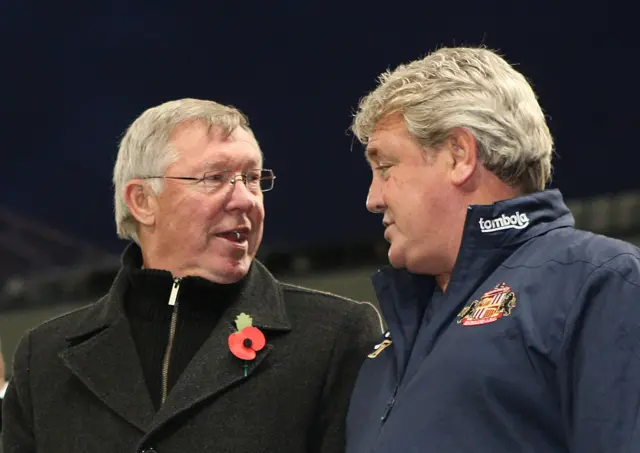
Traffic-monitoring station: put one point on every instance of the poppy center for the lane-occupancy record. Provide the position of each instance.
(247, 342)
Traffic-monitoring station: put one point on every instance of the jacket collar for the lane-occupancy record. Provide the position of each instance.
(101, 352)
(514, 221)
(491, 234)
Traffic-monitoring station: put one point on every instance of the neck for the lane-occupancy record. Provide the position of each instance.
(443, 281)
(150, 258)
(491, 190)
(485, 188)
(156, 257)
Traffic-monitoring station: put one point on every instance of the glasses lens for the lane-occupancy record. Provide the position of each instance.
(214, 179)
(266, 180)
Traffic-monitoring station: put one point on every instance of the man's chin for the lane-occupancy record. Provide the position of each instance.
(396, 258)
(225, 271)
(412, 262)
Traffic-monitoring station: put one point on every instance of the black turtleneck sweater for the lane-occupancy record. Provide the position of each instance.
(199, 306)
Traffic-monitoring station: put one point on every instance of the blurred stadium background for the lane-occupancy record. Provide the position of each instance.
(73, 79)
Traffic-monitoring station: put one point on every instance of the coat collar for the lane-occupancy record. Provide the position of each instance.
(261, 297)
(102, 354)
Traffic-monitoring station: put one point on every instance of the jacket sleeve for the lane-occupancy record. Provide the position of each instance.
(361, 328)
(599, 363)
(17, 416)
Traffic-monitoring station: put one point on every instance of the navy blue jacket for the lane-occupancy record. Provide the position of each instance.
(534, 346)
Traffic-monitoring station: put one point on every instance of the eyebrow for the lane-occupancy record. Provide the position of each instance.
(371, 153)
(215, 164)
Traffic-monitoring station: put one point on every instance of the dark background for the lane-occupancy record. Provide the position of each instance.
(73, 79)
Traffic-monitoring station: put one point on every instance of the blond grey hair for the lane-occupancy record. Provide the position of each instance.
(474, 89)
(145, 148)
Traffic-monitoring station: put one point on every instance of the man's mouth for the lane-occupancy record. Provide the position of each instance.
(238, 236)
(387, 232)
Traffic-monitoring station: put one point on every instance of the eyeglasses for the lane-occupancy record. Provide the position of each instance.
(254, 180)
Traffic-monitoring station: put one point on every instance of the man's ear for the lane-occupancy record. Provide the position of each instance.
(141, 201)
(463, 149)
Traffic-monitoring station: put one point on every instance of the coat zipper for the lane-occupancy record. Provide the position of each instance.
(173, 302)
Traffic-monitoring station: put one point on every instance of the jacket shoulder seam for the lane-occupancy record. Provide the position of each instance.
(604, 266)
(73, 312)
(301, 289)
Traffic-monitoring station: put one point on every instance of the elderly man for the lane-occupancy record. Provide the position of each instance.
(509, 330)
(196, 347)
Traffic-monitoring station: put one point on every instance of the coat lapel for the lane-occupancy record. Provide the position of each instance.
(214, 369)
(103, 356)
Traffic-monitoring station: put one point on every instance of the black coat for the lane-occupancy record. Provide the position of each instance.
(78, 385)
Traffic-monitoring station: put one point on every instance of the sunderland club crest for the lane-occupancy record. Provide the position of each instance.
(492, 306)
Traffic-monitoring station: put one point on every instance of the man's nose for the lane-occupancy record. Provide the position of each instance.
(241, 197)
(374, 199)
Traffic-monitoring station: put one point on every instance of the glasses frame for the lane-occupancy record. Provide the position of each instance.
(232, 177)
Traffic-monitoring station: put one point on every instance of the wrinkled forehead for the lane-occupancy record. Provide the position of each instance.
(200, 147)
(391, 141)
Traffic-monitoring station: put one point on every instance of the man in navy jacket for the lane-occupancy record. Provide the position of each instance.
(509, 330)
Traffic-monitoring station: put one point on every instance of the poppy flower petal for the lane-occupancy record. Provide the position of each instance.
(238, 349)
(258, 341)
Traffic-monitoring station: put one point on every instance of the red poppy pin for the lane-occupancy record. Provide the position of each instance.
(247, 340)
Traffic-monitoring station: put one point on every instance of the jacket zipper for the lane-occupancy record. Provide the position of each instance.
(387, 410)
(173, 302)
(389, 407)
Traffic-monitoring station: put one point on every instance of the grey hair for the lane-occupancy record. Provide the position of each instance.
(474, 89)
(145, 148)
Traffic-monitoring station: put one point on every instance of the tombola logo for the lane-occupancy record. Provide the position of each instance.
(515, 221)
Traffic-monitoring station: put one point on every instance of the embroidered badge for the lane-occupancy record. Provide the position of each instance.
(492, 306)
(377, 349)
